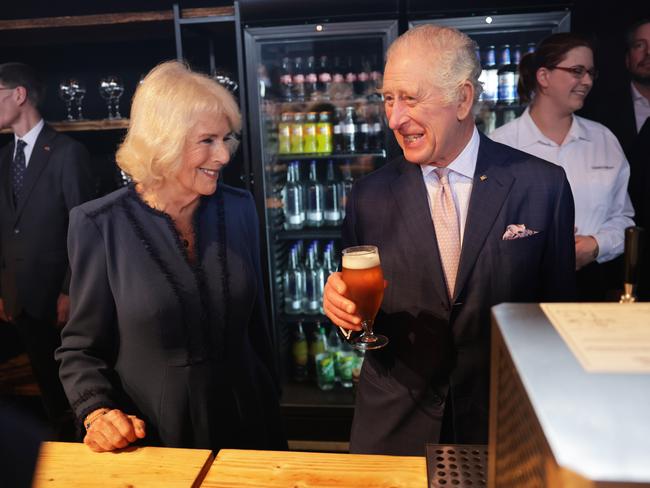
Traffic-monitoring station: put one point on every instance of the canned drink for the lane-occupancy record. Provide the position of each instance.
(356, 368)
(309, 133)
(345, 363)
(297, 134)
(325, 372)
(284, 133)
(324, 133)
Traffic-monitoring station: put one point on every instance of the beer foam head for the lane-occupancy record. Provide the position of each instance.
(360, 260)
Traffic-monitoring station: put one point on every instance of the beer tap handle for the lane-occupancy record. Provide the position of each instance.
(633, 244)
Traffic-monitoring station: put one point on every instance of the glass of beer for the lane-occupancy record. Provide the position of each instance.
(365, 281)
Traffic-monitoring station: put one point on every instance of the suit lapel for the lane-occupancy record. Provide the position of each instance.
(37, 162)
(489, 191)
(411, 198)
(5, 176)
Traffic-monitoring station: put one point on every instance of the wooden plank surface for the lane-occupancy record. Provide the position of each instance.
(73, 465)
(271, 469)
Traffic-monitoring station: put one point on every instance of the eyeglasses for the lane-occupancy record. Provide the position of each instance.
(579, 71)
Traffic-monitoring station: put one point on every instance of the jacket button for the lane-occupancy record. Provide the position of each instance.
(16, 231)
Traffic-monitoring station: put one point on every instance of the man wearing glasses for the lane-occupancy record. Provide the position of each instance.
(43, 174)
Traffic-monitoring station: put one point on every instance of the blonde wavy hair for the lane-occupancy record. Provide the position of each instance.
(165, 107)
(451, 57)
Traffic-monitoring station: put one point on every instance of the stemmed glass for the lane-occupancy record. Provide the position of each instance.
(111, 89)
(79, 92)
(67, 94)
(225, 79)
(364, 279)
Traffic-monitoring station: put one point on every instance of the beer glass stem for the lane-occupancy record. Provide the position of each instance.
(368, 335)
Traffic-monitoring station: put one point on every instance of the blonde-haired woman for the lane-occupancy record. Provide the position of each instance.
(167, 339)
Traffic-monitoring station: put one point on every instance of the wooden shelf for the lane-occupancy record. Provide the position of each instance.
(100, 28)
(85, 125)
(111, 19)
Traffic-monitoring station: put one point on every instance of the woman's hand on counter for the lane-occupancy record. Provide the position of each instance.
(114, 430)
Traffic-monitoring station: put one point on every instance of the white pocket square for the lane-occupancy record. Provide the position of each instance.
(517, 231)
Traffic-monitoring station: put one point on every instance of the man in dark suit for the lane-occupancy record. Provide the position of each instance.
(623, 105)
(43, 175)
(462, 223)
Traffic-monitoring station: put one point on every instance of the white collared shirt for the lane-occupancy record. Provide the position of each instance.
(641, 108)
(461, 176)
(30, 140)
(597, 172)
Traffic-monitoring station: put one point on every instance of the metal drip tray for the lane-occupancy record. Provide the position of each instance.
(456, 465)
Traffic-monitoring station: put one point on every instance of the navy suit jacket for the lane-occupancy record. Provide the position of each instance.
(439, 348)
(33, 252)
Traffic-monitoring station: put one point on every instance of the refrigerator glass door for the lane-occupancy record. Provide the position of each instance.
(316, 124)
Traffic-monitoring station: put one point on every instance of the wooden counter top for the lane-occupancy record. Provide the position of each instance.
(73, 465)
(271, 469)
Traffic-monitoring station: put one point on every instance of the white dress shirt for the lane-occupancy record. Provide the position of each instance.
(597, 172)
(461, 176)
(30, 140)
(641, 108)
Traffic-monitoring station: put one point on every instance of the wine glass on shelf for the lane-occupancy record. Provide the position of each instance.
(105, 93)
(79, 93)
(111, 89)
(225, 79)
(67, 94)
(118, 89)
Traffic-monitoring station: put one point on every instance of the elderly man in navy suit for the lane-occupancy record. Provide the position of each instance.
(462, 223)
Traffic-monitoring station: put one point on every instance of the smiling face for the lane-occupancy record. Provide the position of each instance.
(428, 129)
(637, 59)
(206, 151)
(567, 92)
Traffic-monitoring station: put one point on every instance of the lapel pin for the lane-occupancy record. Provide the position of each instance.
(483, 177)
(47, 148)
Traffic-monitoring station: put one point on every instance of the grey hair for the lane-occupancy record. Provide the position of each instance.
(452, 58)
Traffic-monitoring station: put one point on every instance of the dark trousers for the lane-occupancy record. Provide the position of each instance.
(600, 282)
(41, 338)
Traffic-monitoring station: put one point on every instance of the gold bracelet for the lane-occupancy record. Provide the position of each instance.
(91, 418)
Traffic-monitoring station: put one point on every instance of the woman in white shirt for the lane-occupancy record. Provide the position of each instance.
(555, 80)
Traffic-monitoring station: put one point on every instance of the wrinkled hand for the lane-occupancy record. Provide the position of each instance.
(3, 314)
(586, 250)
(339, 309)
(62, 309)
(114, 430)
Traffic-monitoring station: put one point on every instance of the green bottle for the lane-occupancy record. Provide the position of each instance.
(300, 355)
(324, 360)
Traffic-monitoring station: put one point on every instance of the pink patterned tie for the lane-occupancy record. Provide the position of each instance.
(445, 221)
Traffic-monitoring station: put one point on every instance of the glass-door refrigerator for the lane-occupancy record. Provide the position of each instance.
(316, 124)
(502, 40)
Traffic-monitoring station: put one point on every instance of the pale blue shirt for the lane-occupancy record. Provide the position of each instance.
(30, 140)
(461, 179)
